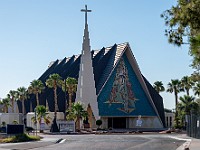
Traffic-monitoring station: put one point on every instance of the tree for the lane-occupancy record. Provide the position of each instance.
(6, 103)
(70, 85)
(22, 94)
(175, 86)
(158, 86)
(12, 95)
(187, 103)
(183, 21)
(196, 89)
(41, 114)
(76, 113)
(195, 77)
(198, 102)
(186, 106)
(36, 87)
(54, 81)
(186, 84)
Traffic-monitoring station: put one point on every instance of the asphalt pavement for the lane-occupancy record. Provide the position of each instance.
(144, 141)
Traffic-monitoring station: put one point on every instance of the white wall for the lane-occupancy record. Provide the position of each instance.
(10, 117)
(169, 122)
(60, 116)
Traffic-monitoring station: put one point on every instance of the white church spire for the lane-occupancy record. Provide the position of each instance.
(86, 91)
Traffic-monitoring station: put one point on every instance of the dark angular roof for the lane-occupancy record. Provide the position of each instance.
(104, 61)
(157, 100)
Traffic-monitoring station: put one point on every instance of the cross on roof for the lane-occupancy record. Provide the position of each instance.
(85, 10)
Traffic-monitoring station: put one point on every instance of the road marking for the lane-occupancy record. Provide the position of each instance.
(62, 141)
(180, 139)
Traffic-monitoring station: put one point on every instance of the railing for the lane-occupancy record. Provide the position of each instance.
(193, 126)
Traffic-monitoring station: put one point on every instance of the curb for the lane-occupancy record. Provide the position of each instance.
(184, 146)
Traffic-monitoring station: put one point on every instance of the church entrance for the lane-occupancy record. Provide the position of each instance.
(117, 122)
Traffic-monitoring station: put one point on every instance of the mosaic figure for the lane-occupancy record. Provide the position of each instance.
(121, 92)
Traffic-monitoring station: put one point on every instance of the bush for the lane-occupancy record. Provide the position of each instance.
(3, 124)
(98, 123)
(20, 138)
(15, 122)
(29, 129)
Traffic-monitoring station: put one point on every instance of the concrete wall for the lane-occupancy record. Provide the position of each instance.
(169, 119)
(147, 122)
(104, 123)
(10, 117)
(60, 116)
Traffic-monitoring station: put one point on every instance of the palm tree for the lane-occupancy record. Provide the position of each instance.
(54, 81)
(196, 89)
(158, 86)
(195, 77)
(12, 96)
(36, 87)
(22, 94)
(69, 85)
(187, 103)
(76, 113)
(186, 84)
(198, 102)
(187, 106)
(6, 103)
(175, 86)
(41, 114)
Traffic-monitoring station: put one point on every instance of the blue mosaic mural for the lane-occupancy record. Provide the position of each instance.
(123, 94)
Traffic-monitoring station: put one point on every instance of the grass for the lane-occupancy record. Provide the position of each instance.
(20, 138)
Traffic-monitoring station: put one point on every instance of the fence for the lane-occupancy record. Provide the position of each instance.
(193, 126)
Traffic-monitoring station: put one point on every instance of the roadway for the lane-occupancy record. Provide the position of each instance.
(101, 142)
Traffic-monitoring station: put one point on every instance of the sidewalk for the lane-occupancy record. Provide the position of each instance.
(191, 143)
(195, 144)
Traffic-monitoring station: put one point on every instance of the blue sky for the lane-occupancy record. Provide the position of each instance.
(35, 32)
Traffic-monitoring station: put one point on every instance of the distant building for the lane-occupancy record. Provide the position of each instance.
(169, 119)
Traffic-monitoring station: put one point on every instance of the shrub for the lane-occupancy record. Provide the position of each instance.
(3, 124)
(15, 122)
(20, 138)
(99, 123)
(29, 129)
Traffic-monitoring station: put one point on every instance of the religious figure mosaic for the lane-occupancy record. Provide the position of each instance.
(121, 92)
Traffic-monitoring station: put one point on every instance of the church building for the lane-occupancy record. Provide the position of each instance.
(110, 84)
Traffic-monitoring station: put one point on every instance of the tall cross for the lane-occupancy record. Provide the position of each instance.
(85, 10)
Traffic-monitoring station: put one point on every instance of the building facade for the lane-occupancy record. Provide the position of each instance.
(110, 84)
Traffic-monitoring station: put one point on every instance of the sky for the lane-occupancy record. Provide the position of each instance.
(35, 32)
